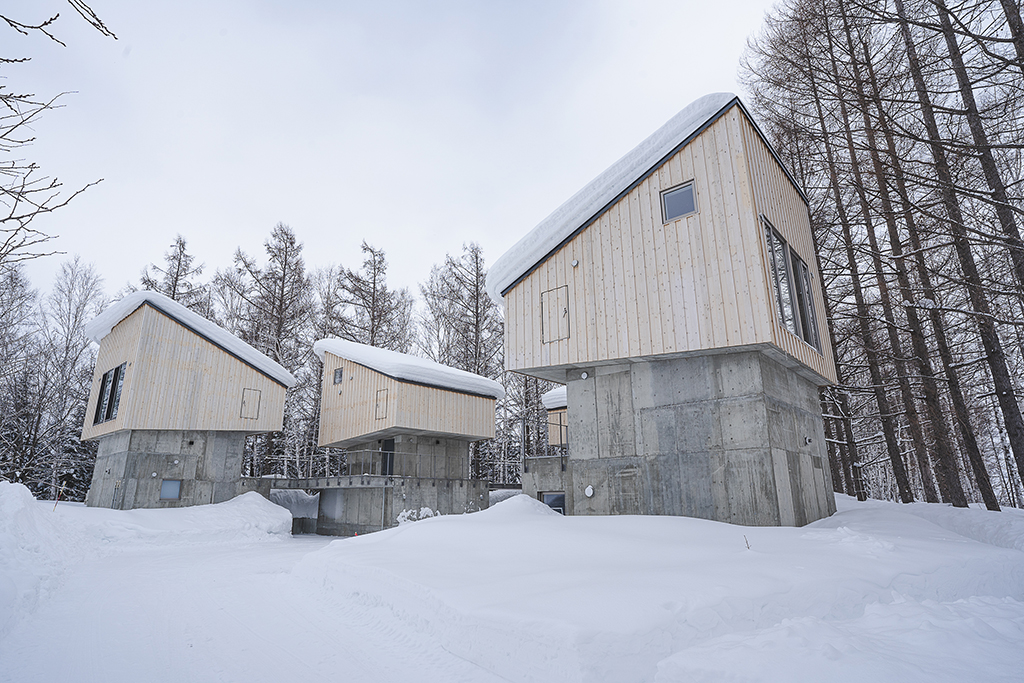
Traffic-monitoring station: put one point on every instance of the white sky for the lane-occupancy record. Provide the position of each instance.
(417, 126)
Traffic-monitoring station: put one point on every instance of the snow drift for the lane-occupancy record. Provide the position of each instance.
(879, 592)
(40, 542)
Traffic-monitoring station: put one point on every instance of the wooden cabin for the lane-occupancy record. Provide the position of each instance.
(173, 398)
(678, 298)
(406, 424)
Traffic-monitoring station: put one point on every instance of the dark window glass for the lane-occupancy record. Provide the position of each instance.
(101, 400)
(791, 282)
(782, 283)
(338, 375)
(110, 394)
(678, 202)
(555, 501)
(805, 301)
(387, 457)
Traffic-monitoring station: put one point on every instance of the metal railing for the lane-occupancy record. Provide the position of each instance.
(379, 463)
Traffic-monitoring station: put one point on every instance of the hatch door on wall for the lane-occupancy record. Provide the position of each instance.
(251, 404)
(554, 314)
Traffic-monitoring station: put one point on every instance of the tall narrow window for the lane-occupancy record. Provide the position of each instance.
(805, 301)
(781, 280)
(110, 394)
(678, 202)
(791, 282)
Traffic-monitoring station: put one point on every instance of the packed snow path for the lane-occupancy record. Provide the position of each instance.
(878, 592)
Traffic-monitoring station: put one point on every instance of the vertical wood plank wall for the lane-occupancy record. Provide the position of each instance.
(119, 346)
(643, 287)
(178, 380)
(776, 199)
(348, 409)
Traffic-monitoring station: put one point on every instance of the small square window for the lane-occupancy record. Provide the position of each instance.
(170, 489)
(338, 375)
(678, 202)
(554, 500)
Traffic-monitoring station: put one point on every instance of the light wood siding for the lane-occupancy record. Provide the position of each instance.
(175, 379)
(120, 346)
(645, 288)
(778, 201)
(558, 427)
(348, 411)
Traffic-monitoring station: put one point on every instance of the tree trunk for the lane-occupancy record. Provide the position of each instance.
(863, 314)
(929, 384)
(982, 148)
(946, 471)
(979, 302)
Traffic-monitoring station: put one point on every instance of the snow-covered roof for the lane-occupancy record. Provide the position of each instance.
(586, 203)
(555, 398)
(402, 366)
(102, 324)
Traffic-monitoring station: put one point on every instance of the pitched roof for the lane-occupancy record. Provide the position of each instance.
(119, 310)
(604, 190)
(403, 367)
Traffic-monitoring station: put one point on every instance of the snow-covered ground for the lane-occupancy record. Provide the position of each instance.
(878, 592)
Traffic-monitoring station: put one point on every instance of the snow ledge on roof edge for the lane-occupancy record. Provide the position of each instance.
(550, 232)
(402, 366)
(555, 399)
(101, 325)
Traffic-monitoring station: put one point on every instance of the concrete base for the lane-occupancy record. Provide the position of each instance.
(131, 465)
(350, 511)
(426, 471)
(545, 475)
(731, 437)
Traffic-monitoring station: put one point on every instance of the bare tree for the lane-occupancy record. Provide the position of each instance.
(177, 279)
(370, 312)
(26, 194)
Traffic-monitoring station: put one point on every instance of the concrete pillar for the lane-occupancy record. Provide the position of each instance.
(429, 471)
(131, 466)
(734, 437)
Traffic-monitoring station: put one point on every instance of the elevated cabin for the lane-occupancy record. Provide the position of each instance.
(172, 399)
(407, 424)
(678, 298)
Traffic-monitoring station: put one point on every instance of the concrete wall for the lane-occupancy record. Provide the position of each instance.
(732, 437)
(541, 475)
(428, 472)
(349, 511)
(132, 464)
(417, 456)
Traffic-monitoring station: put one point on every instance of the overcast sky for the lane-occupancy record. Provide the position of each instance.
(416, 126)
